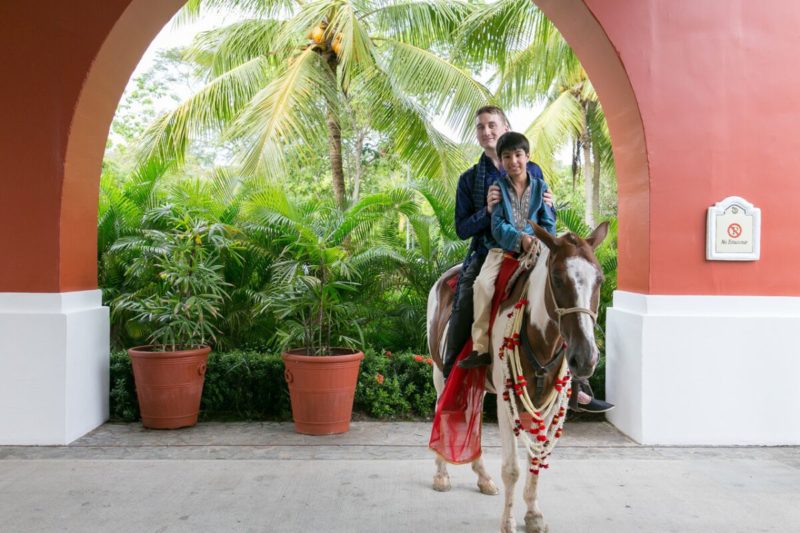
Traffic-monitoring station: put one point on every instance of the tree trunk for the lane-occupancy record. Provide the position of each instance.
(335, 141)
(576, 159)
(587, 177)
(359, 149)
(335, 153)
(595, 182)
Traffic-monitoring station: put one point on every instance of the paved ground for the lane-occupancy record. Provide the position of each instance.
(376, 478)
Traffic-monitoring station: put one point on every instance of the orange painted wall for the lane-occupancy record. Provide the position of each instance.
(701, 98)
(717, 90)
(65, 66)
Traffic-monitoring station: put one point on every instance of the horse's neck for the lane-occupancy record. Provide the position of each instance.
(540, 305)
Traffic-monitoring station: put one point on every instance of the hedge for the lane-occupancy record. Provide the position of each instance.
(246, 385)
(249, 385)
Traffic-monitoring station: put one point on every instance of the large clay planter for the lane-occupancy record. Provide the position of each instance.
(321, 389)
(169, 385)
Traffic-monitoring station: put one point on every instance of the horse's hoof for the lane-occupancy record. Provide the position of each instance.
(509, 526)
(535, 524)
(441, 483)
(488, 487)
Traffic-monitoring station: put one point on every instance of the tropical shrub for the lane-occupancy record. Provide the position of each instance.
(180, 283)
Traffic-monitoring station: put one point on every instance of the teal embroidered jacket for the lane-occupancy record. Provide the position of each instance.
(505, 235)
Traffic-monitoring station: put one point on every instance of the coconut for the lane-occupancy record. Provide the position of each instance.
(318, 35)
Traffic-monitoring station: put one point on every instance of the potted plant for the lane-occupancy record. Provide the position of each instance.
(321, 272)
(180, 304)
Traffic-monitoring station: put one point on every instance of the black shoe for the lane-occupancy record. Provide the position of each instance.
(475, 360)
(594, 406)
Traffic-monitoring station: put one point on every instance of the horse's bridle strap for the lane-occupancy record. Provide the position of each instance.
(561, 311)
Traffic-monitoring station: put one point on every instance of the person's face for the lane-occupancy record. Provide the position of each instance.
(515, 162)
(488, 128)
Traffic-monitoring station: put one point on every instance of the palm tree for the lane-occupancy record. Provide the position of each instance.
(294, 77)
(536, 65)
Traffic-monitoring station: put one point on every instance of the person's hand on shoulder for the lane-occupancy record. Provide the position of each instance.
(547, 197)
(492, 198)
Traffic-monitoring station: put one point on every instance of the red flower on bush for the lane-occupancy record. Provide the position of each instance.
(419, 358)
(379, 378)
(428, 361)
(388, 353)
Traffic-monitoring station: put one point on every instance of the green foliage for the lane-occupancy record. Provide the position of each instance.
(181, 286)
(396, 385)
(278, 262)
(123, 405)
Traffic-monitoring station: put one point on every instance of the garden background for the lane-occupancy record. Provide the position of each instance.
(288, 179)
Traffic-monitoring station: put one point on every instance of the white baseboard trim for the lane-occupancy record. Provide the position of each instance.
(54, 366)
(704, 370)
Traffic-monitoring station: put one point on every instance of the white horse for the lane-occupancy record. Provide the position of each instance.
(563, 294)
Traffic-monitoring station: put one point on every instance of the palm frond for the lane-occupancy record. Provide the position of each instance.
(289, 109)
(233, 45)
(495, 30)
(212, 108)
(559, 120)
(419, 23)
(443, 86)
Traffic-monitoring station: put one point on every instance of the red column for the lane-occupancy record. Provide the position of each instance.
(67, 67)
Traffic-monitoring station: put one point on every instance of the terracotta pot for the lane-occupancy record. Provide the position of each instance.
(322, 389)
(169, 385)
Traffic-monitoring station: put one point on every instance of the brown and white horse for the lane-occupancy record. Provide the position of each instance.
(563, 294)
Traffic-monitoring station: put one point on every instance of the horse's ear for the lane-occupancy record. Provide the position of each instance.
(543, 235)
(597, 235)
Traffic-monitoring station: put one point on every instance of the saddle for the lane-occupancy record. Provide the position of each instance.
(446, 292)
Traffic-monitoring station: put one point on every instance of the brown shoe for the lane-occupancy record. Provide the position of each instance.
(476, 360)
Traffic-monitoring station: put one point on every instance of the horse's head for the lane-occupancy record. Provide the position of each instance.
(574, 279)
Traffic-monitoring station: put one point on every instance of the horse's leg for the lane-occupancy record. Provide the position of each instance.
(485, 483)
(441, 479)
(534, 520)
(510, 469)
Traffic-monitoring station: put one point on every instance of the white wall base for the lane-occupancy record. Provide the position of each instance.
(54, 366)
(704, 370)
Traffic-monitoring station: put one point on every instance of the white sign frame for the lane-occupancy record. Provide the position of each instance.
(719, 209)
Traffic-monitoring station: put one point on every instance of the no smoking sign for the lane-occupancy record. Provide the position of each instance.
(733, 231)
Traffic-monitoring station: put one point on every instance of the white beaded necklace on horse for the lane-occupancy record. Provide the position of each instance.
(547, 419)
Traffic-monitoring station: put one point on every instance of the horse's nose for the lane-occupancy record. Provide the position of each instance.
(582, 361)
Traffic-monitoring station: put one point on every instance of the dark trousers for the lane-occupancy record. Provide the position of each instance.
(460, 325)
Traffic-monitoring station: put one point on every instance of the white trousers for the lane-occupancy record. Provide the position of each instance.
(482, 293)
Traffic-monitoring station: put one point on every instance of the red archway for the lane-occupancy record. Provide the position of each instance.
(699, 101)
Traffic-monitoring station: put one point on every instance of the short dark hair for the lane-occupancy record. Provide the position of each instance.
(512, 141)
(493, 110)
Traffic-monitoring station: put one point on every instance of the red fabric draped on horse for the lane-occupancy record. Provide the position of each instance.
(456, 434)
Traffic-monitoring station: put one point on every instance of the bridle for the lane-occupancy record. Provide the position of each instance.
(562, 311)
(531, 258)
